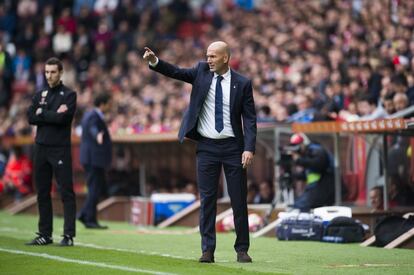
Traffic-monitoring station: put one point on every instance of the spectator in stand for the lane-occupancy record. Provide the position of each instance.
(26, 39)
(62, 40)
(264, 115)
(21, 66)
(376, 198)
(399, 83)
(399, 193)
(4, 154)
(265, 194)
(331, 105)
(17, 178)
(79, 4)
(365, 106)
(400, 101)
(387, 103)
(305, 111)
(7, 22)
(48, 20)
(67, 21)
(252, 191)
(102, 6)
(6, 77)
(191, 188)
(27, 8)
(369, 109)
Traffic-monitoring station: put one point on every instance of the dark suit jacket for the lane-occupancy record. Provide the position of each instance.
(92, 153)
(241, 102)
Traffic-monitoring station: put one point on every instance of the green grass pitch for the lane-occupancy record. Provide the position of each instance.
(124, 249)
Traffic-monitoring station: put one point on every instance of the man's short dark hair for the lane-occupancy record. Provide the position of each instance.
(389, 96)
(55, 61)
(399, 79)
(378, 188)
(366, 97)
(101, 99)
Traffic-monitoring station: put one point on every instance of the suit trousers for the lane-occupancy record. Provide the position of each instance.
(212, 156)
(57, 160)
(95, 177)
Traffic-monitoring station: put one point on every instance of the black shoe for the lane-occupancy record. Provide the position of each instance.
(91, 225)
(66, 241)
(40, 240)
(95, 225)
(207, 257)
(243, 257)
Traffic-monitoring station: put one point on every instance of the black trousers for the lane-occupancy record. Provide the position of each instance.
(95, 178)
(212, 155)
(49, 160)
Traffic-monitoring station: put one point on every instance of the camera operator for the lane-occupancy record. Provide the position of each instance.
(318, 173)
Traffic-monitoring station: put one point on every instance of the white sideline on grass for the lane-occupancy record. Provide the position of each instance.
(96, 264)
(95, 246)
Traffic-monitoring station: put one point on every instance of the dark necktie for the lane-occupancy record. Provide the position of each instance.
(219, 105)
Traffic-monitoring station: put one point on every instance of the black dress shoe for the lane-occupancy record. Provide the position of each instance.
(207, 257)
(243, 257)
(91, 225)
(94, 225)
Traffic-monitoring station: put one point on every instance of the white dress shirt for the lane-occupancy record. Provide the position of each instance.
(206, 123)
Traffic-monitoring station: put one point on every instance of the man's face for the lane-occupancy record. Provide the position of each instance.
(389, 106)
(363, 108)
(400, 103)
(264, 190)
(302, 103)
(52, 75)
(375, 199)
(217, 59)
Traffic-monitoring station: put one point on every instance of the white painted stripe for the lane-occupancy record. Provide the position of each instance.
(96, 264)
(89, 245)
(366, 265)
(95, 246)
(14, 230)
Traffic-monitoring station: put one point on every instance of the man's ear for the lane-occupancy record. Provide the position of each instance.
(226, 58)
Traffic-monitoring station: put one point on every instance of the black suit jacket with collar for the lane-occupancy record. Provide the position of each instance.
(242, 108)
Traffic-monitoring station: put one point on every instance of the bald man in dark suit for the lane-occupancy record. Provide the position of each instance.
(222, 119)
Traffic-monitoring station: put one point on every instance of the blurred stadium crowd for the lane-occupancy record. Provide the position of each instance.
(309, 60)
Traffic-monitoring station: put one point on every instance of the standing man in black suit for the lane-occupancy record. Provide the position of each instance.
(222, 119)
(52, 111)
(95, 156)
